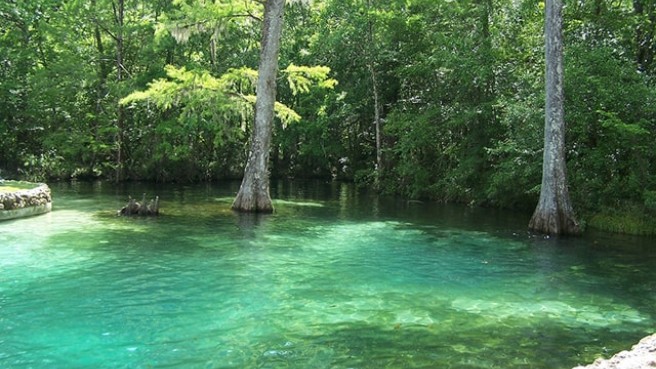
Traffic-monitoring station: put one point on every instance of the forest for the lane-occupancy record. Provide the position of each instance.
(436, 100)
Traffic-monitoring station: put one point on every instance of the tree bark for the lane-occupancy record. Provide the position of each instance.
(254, 193)
(377, 124)
(103, 72)
(377, 108)
(119, 15)
(554, 213)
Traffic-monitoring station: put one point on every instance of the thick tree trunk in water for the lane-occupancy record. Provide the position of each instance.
(254, 194)
(554, 213)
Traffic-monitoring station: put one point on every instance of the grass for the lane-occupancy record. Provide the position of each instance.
(635, 221)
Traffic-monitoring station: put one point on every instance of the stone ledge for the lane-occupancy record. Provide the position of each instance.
(25, 202)
(641, 356)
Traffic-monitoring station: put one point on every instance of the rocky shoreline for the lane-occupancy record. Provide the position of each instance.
(22, 202)
(641, 356)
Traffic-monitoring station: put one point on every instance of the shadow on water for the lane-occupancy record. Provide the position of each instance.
(248, 224)
(484, 346)
(622, 264)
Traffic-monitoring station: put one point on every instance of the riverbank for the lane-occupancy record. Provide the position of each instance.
(633, 220)
(641, 356)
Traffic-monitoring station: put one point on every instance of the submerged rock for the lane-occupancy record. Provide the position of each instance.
(641, 356)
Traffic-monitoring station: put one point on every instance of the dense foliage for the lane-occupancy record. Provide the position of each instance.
(162, 90)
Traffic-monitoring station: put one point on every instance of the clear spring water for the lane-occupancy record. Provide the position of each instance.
(334, 279)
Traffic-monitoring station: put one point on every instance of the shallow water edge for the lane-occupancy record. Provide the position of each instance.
(336, 278)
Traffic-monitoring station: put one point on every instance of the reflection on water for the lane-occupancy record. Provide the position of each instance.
(336, 278)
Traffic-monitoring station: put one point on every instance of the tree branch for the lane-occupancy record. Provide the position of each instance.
(105, 29)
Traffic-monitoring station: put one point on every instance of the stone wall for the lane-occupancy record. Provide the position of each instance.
(27, 202)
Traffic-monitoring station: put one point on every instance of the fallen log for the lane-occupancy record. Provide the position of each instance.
(140, 208)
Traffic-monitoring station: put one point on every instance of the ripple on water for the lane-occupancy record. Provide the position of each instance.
(304, 290)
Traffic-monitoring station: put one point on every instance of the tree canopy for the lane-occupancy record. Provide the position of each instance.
(164, 90)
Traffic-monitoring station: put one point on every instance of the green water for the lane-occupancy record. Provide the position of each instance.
(334, 279)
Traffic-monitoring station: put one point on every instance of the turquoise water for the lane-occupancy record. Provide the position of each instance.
(334, 279)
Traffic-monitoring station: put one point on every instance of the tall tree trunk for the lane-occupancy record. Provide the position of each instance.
(103, 72)
(377, 123)
(554, 213)
(254, 194)
(119, 11)
(375, 91)
(645, 30)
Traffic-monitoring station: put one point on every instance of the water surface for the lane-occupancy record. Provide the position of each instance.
(336, 278)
